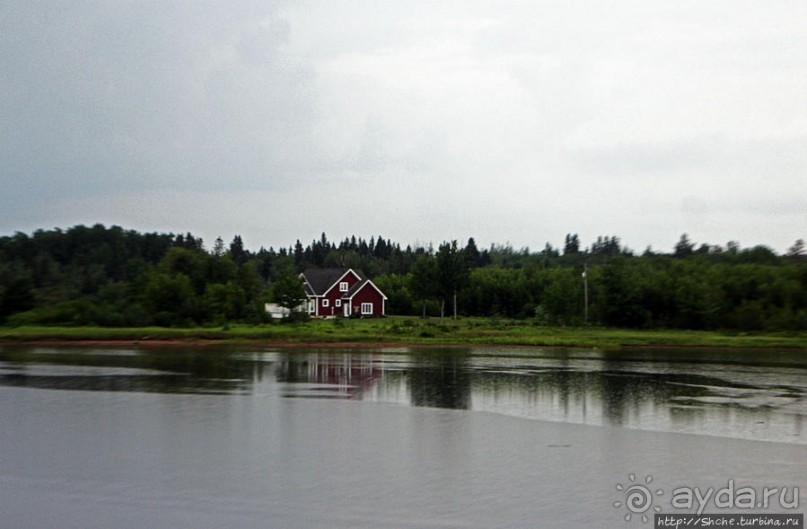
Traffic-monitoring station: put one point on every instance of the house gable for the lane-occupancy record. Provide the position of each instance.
(364, 284)
(365, 299)
(350, 277)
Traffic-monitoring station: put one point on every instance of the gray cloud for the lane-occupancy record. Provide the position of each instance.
(423, 121)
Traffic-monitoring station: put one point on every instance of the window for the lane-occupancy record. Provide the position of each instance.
(366, 308)
(325, 302)
(343, 286)
(338, 302)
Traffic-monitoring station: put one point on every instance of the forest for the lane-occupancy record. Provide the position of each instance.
(110, 276)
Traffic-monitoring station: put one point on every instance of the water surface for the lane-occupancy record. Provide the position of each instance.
(474, 437)
(747, 394)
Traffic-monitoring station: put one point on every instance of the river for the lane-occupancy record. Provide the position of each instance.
(389, 437)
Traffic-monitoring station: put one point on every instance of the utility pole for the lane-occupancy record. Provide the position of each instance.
(585, 291)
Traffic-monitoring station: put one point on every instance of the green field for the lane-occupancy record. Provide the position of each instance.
(407, 330)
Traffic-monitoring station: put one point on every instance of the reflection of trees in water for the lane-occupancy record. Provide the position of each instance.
(351, 372)
(174, 371)
(612, 391)
(616, 394)
(292, 368)
(441, 380)
(568, 391)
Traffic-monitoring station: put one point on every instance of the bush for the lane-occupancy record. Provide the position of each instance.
(296, 317)
(75, 312)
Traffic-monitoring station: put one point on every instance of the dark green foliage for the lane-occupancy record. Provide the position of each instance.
(560, 296)
(237, 252)
(684, 247)
(452, 272)
(620, 293)
(16, 288)
(288, 290)
(499, 292)
(571, 244)
(111, 277)
(115, 277)
(399, 296)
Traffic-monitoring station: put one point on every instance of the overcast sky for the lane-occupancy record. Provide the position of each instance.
(509, 121)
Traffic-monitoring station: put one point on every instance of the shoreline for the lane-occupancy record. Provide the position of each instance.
(160, 343)
(399, 332)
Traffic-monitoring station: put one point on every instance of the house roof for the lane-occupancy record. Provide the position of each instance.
(320, 280)
(360, 285)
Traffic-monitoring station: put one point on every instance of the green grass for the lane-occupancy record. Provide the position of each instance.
(409, 330)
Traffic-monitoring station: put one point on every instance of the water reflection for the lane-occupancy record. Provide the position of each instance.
(755, 395)
(440, 379)
(176, 371)
(326, 376)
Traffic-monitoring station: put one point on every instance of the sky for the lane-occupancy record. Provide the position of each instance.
(513, 122)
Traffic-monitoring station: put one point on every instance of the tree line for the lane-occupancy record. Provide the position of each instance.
(114, 277)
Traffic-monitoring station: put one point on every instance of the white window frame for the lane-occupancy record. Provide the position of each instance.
(325, 302)
(343, 286)
(366, 308)
(338, 303)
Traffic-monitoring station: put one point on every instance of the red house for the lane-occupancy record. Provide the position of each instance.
(342, 292)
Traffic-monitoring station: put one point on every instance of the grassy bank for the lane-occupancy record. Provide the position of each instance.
(409, 331)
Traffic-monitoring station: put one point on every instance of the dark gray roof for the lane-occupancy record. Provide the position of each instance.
(322, 279)
(355, 288)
